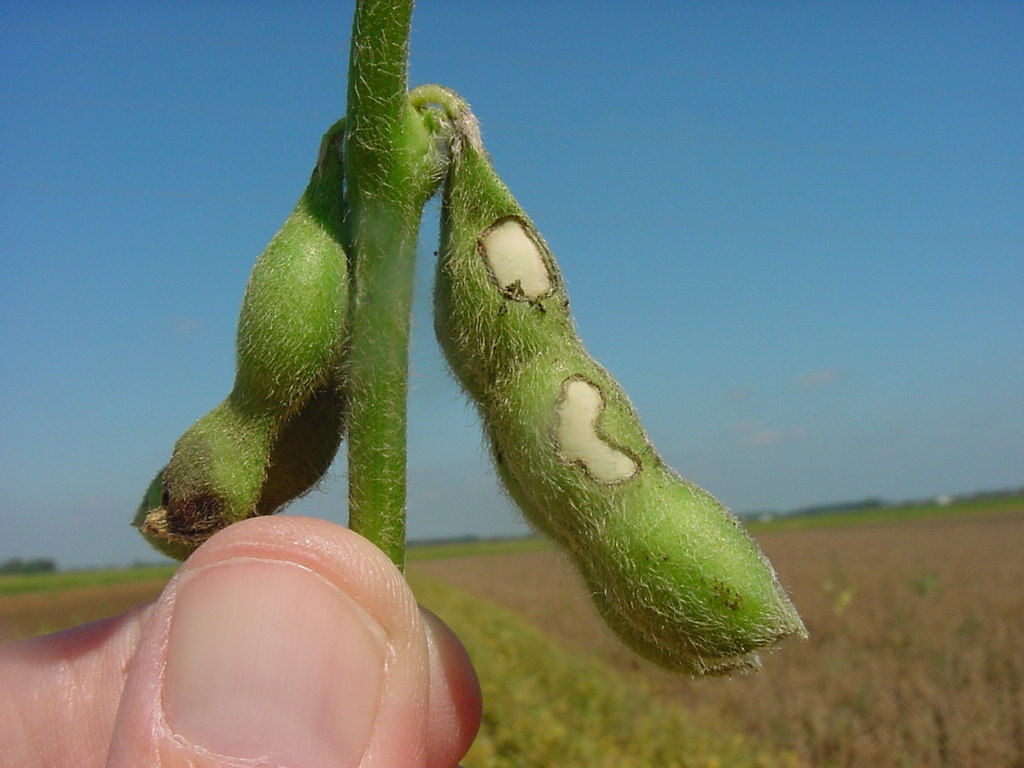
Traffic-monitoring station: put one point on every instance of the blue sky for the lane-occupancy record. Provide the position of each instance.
(794, 232)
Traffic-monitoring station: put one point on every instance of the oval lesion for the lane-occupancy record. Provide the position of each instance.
(515, 260)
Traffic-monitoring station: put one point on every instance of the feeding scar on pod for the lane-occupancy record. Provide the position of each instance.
(577, 438)
(513, 257)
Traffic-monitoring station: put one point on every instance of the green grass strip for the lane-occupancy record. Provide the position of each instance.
(545, 705)
(442, 550)
(993, 507)
(44, 582)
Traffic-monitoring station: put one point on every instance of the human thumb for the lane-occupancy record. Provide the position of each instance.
(286, 642)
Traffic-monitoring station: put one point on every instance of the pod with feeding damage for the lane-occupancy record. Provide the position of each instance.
(276, 433)
(669, 568)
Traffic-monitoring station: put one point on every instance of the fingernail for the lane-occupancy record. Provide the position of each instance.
(268, 661)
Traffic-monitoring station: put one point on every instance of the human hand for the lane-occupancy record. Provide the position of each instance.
(283, 641)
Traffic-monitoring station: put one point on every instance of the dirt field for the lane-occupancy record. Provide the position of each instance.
(36, 613)
(916, 656)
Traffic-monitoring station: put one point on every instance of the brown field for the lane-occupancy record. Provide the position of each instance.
(36, 613)
(916, 656)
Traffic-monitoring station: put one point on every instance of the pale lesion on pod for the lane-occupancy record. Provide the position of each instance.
(516, 261)
(578, 439)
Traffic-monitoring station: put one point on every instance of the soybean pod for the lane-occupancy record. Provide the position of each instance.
(278, 430)
(669, 568)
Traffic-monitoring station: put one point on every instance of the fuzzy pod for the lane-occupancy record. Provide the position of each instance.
(278, 430)
(670, 569)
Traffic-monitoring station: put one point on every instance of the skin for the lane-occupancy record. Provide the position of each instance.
(670, 569)
(127, 691)
(278, 430)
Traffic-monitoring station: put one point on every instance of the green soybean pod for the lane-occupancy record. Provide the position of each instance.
(670, 570)
(278, 430)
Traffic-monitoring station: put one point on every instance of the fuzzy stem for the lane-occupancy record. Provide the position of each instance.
(393, 166)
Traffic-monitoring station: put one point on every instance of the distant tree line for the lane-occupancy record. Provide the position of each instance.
(875, 503)
(842, 506)
(998, 493)
(16, 565)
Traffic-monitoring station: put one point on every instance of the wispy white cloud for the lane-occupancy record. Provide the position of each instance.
(184, 326)
(756, 435)
(819, 378)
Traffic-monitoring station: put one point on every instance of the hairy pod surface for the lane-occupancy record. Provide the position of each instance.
(669, 568)
(277, 432)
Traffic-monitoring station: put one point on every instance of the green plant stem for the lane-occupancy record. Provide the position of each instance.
(393, 166)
